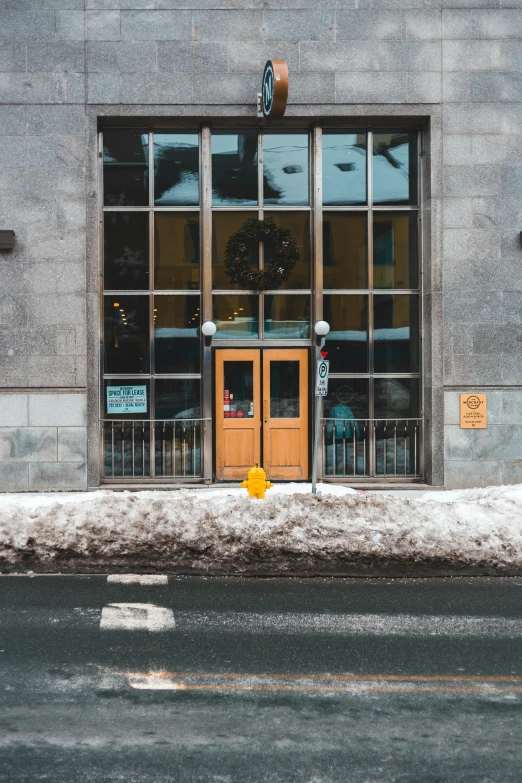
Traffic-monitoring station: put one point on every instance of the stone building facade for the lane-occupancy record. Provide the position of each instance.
(69, 68)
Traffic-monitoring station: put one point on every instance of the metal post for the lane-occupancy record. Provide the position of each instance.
(318, 415)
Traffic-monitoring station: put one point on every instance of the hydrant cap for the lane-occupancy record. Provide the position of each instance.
(256, 473)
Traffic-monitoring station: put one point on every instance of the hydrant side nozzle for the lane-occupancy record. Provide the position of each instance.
(244, 484)
(269, 485)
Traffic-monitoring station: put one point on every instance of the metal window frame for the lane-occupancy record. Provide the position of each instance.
(315, 292)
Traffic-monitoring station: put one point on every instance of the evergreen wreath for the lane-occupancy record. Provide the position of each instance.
(239, 246)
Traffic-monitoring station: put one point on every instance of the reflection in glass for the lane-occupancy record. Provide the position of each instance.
(396, 398)
(344, 168)
(285, 168)
(347, 341)
(176, 169)
(395, 250)
(177, 398)
(397, 441)
(287, 317)
(176, 250)
(126, 251)
(347, 431)
(345, 252)
(299, 225)
(396, 333)
(395, 168)
(284, 390)
(234, 168)
(238, 390)
(224, 224)
(125, 168)
(126, 334)
(236, 316)
(176, 338)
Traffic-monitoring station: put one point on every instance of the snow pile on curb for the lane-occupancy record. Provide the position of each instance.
(217, 531)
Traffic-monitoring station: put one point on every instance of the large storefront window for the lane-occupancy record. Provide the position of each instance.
(171, 200)
(372, 303)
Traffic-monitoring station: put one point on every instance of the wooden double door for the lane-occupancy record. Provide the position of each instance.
(262, 412)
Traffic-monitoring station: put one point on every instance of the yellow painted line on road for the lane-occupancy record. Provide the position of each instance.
(322, 683)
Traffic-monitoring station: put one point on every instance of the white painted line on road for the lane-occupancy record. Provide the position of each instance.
(351, 624)
(136, 617)
(138, 579)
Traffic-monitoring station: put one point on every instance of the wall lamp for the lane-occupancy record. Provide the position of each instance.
(7, 240)
(209, 330)
(321, 329)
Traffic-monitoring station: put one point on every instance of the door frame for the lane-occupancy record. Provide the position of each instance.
(261, 402)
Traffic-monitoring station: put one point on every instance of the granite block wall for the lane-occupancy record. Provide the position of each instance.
(42, 441)
(458, 61)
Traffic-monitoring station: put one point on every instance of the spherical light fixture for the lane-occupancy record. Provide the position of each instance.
(209, 328)
(322, 328)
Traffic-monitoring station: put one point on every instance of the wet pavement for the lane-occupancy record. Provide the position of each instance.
(243, 680)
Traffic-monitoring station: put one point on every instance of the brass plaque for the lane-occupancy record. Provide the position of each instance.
(473, 411)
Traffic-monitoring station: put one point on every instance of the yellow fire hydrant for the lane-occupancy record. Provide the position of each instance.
(256, 483)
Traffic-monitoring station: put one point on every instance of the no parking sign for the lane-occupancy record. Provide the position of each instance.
(321, 383)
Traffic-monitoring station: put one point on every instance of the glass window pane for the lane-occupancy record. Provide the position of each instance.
(224, 224)
(346, 429)
(126, 334)
(344, 168)
(284, 390)
(395, 250)
(176, 169)
(347, 341)
(396, 333)
(176, 336)
(236, 316)
(234, 168)
(238, 390)
(298, 223)
(395, 168)
(125, 168)
(285, 168)
(347, 399)
(126, 251)
(176, 251)
(287, 317)
(127, 398)
(345, 254)
(397, 398)
(177, 398)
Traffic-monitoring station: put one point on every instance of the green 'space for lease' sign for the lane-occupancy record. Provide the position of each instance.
(126, 399)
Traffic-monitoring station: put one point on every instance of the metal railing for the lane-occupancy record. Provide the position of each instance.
(384, 448)
(175, 446)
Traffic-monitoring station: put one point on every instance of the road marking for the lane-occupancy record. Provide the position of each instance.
(138, 579)
(351, 624)
(136, 617)
(323, 683)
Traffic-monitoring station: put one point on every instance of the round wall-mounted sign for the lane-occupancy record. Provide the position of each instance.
(274, 89)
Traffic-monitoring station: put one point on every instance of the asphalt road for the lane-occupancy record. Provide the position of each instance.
(260, 681)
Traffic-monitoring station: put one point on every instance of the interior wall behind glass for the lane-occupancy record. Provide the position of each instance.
(345, 250)
(176, 251)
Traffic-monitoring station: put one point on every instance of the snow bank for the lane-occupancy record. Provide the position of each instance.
(223, 531)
